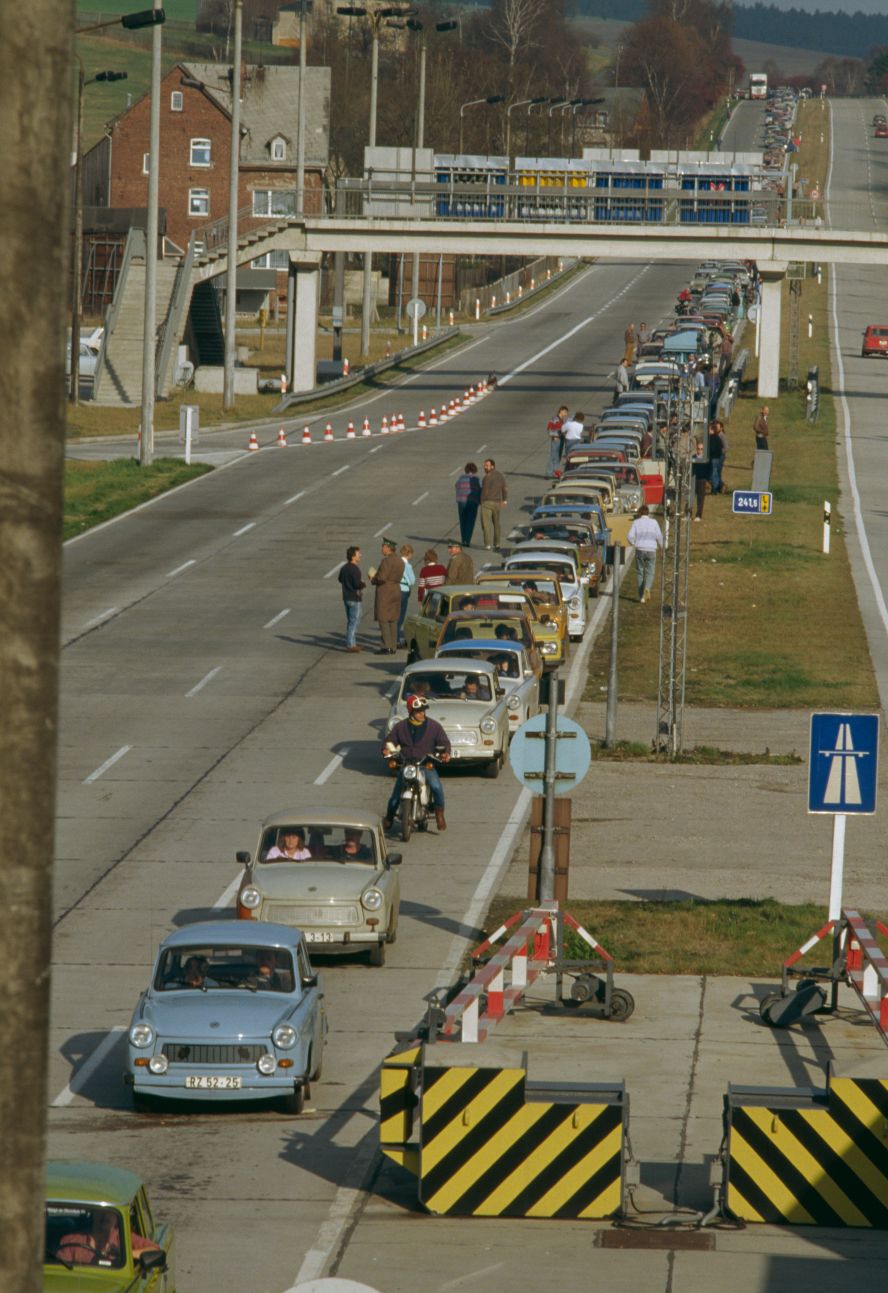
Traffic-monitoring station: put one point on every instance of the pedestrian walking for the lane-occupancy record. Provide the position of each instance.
(701, 470)
(574, 431)
(353, 586)
(431, 575)
(629, 341)
(715, 458)
(620, 379)
(387, 603)
(644, 333)
(460, 568)
(760, 427)
(554, 430)
(408, 580)
(646, 537)
(494, 497)
(468, 500)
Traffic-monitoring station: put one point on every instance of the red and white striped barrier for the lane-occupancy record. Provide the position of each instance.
(350, 431)
(306, 436)
(365, 429)
(282, 438)
(254, 443)
(328, 431)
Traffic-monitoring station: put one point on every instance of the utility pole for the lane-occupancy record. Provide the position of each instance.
(149, 338)
(35, 232)
(367, 305)
(233, 187)
(300, 117)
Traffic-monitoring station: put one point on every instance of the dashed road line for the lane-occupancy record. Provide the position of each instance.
(184, 566)
(294, 499)
(80, 1077)
(331, 767)
(199, 686)
(382, 530)
(417, 501)
(109, 763)
(341, 470)
(337, 567)
(97, 619)
(244, 529)
(276, 619)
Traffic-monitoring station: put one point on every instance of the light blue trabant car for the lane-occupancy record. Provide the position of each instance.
(234, 1011)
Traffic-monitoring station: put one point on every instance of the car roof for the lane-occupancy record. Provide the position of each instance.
(321, 815)
(527, 554)
(438, 666)
(250, 933)
(468, 645)
(79, 1181)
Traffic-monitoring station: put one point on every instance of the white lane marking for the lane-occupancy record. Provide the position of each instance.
(338, 1219)
(331, 767)
(184, 566)
(480, 447)
(276, 619)
(470, 1277)
(109, 763)
(417, 501)
(199, 686)
(244, 529)
(97, 619)
(382, 530)
(339, 472)
(455, 470)
(79, 1078)
(295, 498)
(377, 449)
(227, 894)
(550, 300)
(338, 566)
(571, 332)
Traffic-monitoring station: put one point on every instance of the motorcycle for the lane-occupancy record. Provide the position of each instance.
(415, 807)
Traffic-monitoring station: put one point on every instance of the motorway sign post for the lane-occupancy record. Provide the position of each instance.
(843, 771)
(752, 502)
(416, 309)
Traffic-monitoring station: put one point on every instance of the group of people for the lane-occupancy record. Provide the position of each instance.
(564, 432)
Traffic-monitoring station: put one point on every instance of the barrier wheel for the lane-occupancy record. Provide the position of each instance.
(765, 1006)
(622, 1004)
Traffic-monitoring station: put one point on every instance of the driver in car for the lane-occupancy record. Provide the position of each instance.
(291, 845)
(353, 850)
(418, 736)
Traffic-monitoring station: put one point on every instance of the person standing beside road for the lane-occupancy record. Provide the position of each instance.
(723, 442)
(353, 586)
(644, 333)
(701, 470)
(646, 537)
(620, 379)
(574, 430)
(408, 579)
(468, 500)
(431, 575)
(460, 568)
(715, 458)
(760, 427)
(387, 603)
(494, 497)
(629, 340)
(555, 432)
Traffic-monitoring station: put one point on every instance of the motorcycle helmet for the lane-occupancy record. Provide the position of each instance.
(415, 703)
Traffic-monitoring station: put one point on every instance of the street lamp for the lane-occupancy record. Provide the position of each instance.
(76, 289)
(557, 102)
(473, 103)
(521, 103)
(149, 324)
(570, 106)
(131, 21)
(580, 103)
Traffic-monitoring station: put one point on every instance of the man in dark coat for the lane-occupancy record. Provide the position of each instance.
(387, 603)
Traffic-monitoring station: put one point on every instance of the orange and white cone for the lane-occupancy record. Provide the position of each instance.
(282, 438)
(306, 436)
(385, 426)
(365, 429)
(350, 431)
(470, 395)
(397, 422)
(422, 424)
(328, 431)
(254, 443)
(445, 413)
(433, 417)
(345, 368)
(454, 409)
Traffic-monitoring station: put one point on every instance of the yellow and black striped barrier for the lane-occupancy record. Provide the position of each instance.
(808, 1158)
(485, 1142)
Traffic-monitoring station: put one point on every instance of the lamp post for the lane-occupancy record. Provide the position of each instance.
(580, 103)
(554, 103)
(149, 339)
(300, 115)
(233, 185)
(530, 107)
(521, 103)
(473, 103)
(76, 287)
(570, 106)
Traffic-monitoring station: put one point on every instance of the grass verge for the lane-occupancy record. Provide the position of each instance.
(637, 752)
(96, 491)
(724, 936)
(772, 622)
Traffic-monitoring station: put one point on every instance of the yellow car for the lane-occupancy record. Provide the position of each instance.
(422, 629)
(550, 612)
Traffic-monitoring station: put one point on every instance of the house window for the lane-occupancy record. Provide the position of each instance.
(146, 158)
(201, 150)
(198, 202)
(271, 260)
(177, 101)
(274, 202)
(278, 150)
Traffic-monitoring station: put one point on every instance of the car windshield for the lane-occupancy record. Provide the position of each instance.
(488, 600)
(81, 1234)
(505, 630)
(317, 842)
(507, 662)
(448, 686)
(219, 968)
(564, 571)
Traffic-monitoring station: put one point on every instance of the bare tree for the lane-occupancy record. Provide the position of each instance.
(514, 24)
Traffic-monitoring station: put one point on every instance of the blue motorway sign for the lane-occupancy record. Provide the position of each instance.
(527, 754)
(843, 763)
(752, 502)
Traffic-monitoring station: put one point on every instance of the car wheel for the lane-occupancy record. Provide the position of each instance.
(406, 820)
(295, 1103)
(491, 769)
(412, 653)
(315, 1073)
(392, 935)
(377, 955)
(142, 1103)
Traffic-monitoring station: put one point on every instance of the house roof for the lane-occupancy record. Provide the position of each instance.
(270, 106)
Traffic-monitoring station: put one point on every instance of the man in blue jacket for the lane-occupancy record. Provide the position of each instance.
(418, 736)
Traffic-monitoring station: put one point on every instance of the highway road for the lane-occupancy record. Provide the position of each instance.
(203, 686)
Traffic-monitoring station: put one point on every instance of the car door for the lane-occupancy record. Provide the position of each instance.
(421, 630)
(142, 1223)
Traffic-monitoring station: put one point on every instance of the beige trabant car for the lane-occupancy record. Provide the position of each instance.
(422, 629)
(330, 874)
(470, 702)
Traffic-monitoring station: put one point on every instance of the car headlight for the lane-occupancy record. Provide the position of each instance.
(266, 1064)
(284, 1038)
(410, 772)
(574, 604)
(372, 899)
(488, 725)
(250, 898)
(549, 648)
(514, 701)
(141, 1036)
(158, 1064)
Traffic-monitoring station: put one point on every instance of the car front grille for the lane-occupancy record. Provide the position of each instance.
(294, 913)
(213, 1053)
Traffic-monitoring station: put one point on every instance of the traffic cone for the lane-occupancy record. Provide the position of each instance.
(401, 426)
(454, 409)
(470, 395)
(422, 424)
(282, 438)
(385, 426)
(345, 368)
(328, 432)
(444, 414)
(365, 429)
(254, 443)
(350, 431)
(433, 417)
(306, 436)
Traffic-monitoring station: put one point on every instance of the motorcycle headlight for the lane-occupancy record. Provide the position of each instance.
(250, 898)
(158, 1064)
(488, 726)
(372, 899)
(141, 1036)
(410, 772)
(284, 1037)
(514, 701)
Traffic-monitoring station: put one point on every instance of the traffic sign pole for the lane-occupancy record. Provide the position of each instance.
(547, 857)
(837, 874)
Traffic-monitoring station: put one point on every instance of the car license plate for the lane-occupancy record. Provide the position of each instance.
(213, 1083)
(318, 935)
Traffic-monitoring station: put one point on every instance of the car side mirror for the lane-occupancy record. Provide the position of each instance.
(153, 1259)
(242, 858)
(393, 859)
(311, 981)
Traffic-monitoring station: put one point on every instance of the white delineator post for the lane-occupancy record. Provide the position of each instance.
(837, 873)
(827, 522)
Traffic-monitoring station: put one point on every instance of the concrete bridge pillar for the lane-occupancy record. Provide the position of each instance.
(303, 291)
(773, 275)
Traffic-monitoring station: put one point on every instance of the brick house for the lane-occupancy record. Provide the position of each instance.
(195, 148)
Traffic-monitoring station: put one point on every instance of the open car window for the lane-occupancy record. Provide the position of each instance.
(317, 842)
(507, 662)
(223, 969)
(461, 685)
(81, 1234)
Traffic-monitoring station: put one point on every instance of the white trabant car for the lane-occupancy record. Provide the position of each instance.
(470, 702)
(516, 674)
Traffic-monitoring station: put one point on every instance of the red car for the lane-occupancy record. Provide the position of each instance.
(875, 341)
(881, 131)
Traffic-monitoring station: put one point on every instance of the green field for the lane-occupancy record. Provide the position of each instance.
(175, 10)
(96, 491)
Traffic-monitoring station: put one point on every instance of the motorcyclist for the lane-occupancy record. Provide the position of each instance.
(418, 736)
